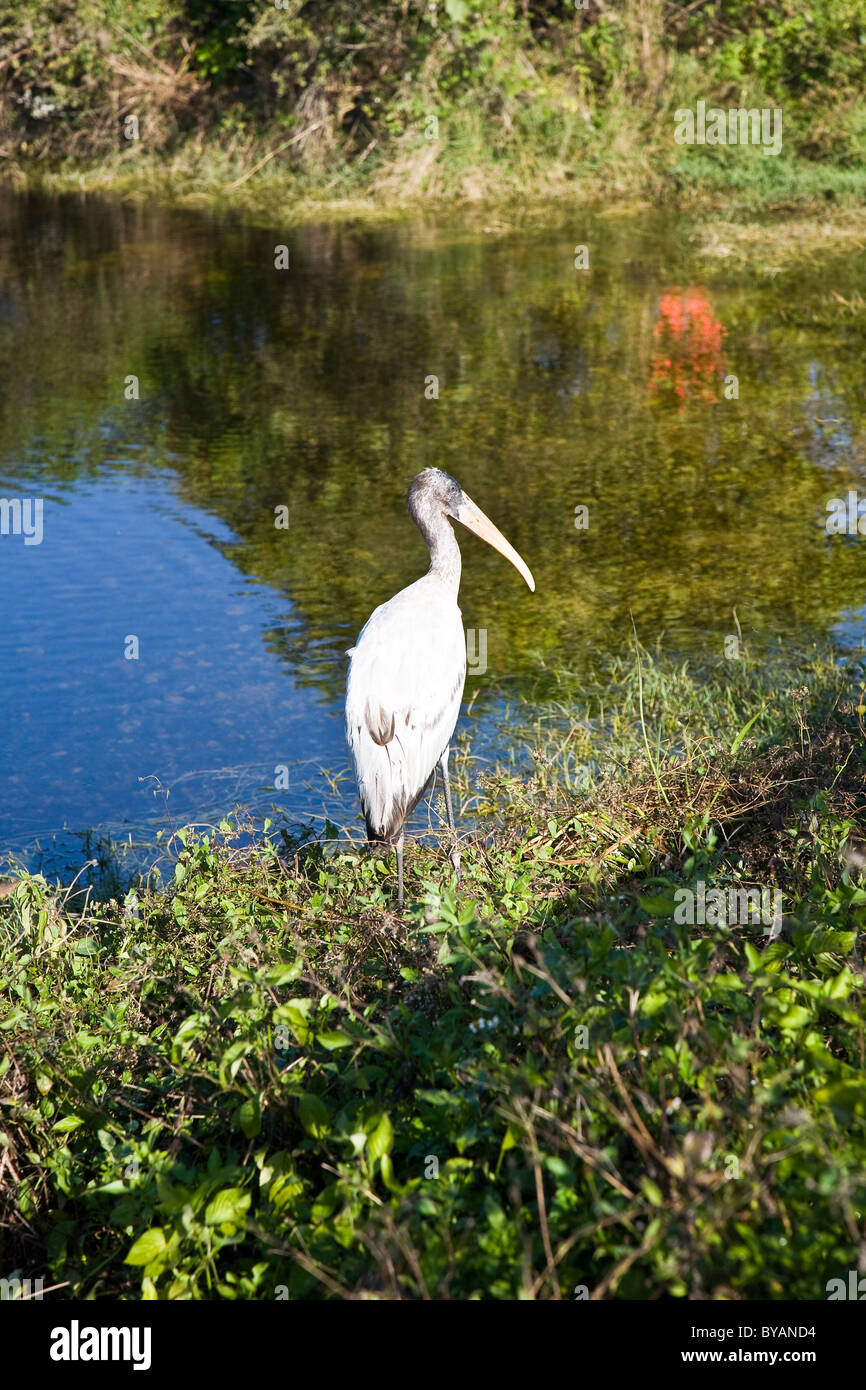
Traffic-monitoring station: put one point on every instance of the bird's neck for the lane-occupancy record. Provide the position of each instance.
(444, 552)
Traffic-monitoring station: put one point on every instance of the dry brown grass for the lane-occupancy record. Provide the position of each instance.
(777, 242)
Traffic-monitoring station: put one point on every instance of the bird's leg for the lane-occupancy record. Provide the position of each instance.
(399, 848)
(455, 852)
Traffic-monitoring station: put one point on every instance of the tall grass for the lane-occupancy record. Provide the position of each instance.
(541, 1083)
(475, 100)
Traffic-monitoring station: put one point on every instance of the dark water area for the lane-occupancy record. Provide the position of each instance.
(215, 532)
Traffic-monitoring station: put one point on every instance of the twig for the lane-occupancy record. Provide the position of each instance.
(542, 1216)
(653, 763)
(262, 162)
(29, 1297)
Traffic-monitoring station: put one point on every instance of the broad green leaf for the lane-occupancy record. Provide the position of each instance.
(231, 1060)
(315, 1116)
(295, 1013)
(651, 1191)
(147, 1247)
(248, 1117)
(282, 974)
(231, 1205)
(662, 905)
(511, 1138)
(386, 1168)
(381, 1139)
(334, 1039)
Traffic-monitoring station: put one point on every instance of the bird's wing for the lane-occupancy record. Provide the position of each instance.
(403, 696)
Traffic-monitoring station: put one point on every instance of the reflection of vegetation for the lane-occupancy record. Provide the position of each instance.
(306, 388)
(336, 99)
(768, 246)
(613, 1097)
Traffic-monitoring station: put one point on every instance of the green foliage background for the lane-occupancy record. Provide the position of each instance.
(262, 1084)
(235, 1087)
(529, 96)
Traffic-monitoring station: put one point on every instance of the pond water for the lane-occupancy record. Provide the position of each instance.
(221, 450)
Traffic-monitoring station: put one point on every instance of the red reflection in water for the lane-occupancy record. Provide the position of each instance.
(688, 360)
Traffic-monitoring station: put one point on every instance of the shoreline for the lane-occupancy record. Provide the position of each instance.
(263, 195)
(757, 236)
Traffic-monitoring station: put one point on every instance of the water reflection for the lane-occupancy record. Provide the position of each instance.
(264, 394)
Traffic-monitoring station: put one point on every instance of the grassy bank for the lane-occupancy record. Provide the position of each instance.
(327, 109)
(262, 1082)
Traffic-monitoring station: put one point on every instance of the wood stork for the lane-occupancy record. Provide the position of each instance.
(407, 670)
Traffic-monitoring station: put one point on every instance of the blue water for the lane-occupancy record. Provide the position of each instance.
(306, 390)
(201, 721)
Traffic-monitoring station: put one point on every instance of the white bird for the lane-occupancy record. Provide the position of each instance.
(407, 670)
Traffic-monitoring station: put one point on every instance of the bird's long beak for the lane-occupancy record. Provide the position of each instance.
(474, 520)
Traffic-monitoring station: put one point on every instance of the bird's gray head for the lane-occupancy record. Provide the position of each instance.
(434, 496)
(432, 491)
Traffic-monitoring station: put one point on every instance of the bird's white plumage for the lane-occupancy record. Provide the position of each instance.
(403, 694)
